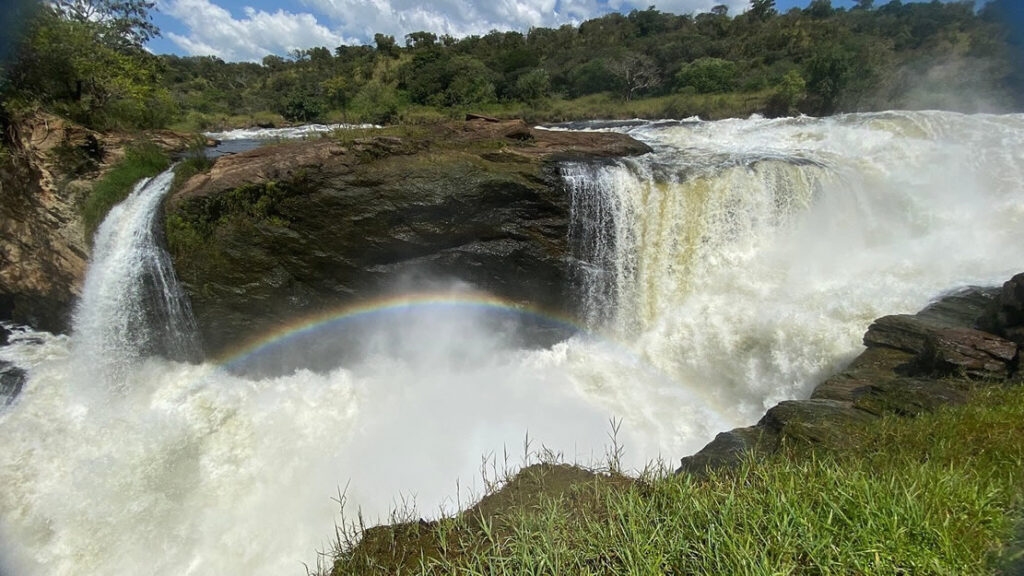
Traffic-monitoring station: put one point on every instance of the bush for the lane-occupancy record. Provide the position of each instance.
(708, 75)
(140, 161)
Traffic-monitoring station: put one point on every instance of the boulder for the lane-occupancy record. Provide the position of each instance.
(12, 379)
(727, 450)
(1005, 315)
(941, 349)
(830, 422)
(910, 396)
(971, 352)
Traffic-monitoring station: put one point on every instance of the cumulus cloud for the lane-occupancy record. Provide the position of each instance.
(363, 18)
(212, 30)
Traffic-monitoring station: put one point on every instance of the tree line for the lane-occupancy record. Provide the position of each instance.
(85, 59)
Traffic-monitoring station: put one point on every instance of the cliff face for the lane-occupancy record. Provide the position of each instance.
(43, 252)
(288, 231)
(47, 168)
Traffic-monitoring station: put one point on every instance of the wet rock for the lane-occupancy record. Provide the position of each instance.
(43, 249)
(12, 379)
(960, 308)
(829, 422)
(1005, 315)
(276, 234)
(971, 352)
(872, 366)
(5, 335)
(727, 450)
(904, 332)
(910, 396)
(941, 349)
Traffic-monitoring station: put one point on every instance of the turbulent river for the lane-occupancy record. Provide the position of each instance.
(734, 267)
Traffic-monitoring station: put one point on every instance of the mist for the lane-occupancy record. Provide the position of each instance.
(732, 268)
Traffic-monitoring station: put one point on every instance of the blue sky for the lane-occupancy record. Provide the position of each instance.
(250, 29)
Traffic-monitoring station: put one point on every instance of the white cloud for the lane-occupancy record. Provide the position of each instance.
(363, 18)
(213, 31)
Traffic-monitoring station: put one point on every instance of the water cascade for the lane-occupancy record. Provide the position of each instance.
(132, 305)
(732, 268)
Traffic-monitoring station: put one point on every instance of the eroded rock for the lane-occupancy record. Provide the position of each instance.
(285, 232)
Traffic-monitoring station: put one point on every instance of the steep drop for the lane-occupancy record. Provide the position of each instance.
(729, 269)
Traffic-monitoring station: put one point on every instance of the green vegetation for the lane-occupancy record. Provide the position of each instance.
(84, 59)
(935, 494)
(194, 162)
(647, 63)
(139, 162)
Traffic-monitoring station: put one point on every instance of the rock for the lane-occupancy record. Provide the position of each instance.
(971, 352)
(874, 365)
(960, 308)
(942, 349)
(727, 450)
(910, 396)
(5, 335)
(904, 332)
(471, 116)
(12, 379)
(43, 252)
(906, 370)
(1005, 315)
(50, 169)
(279, 233)
(829, 422)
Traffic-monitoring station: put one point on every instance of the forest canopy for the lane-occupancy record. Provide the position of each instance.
(86, 59)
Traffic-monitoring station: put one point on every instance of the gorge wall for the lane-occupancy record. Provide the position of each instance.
(282, 232)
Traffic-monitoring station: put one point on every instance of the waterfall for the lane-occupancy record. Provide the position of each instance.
(746, 257)
(132, 305)
(735, 266)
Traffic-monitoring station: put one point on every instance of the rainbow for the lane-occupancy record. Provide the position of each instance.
(339, 316)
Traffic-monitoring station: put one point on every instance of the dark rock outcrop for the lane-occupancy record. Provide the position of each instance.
(270, 236)
(913, 364)
(12, 379)
(1005, 315)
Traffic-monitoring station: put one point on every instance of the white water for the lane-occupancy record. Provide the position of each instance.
(132, 305)
(284, 133)
(747, 260)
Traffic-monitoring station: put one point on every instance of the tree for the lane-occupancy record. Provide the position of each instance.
(84, 59)
(864, 5)
(533, 85)
(122, 23)
(820, 9)
(762, 9)
(386, 45)
(637, 73)
(420, 39)
(788, 94)
(708, 75)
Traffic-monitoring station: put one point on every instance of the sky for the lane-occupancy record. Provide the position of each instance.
(236, 30)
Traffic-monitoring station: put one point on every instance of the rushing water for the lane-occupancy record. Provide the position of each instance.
(730, 269)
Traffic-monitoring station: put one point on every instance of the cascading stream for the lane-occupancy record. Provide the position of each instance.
(734, 267)
(132, 305)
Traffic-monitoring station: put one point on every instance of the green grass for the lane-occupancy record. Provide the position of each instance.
(936, 494)
(140, 161)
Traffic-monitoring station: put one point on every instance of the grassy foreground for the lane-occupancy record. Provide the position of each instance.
(937, 494)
